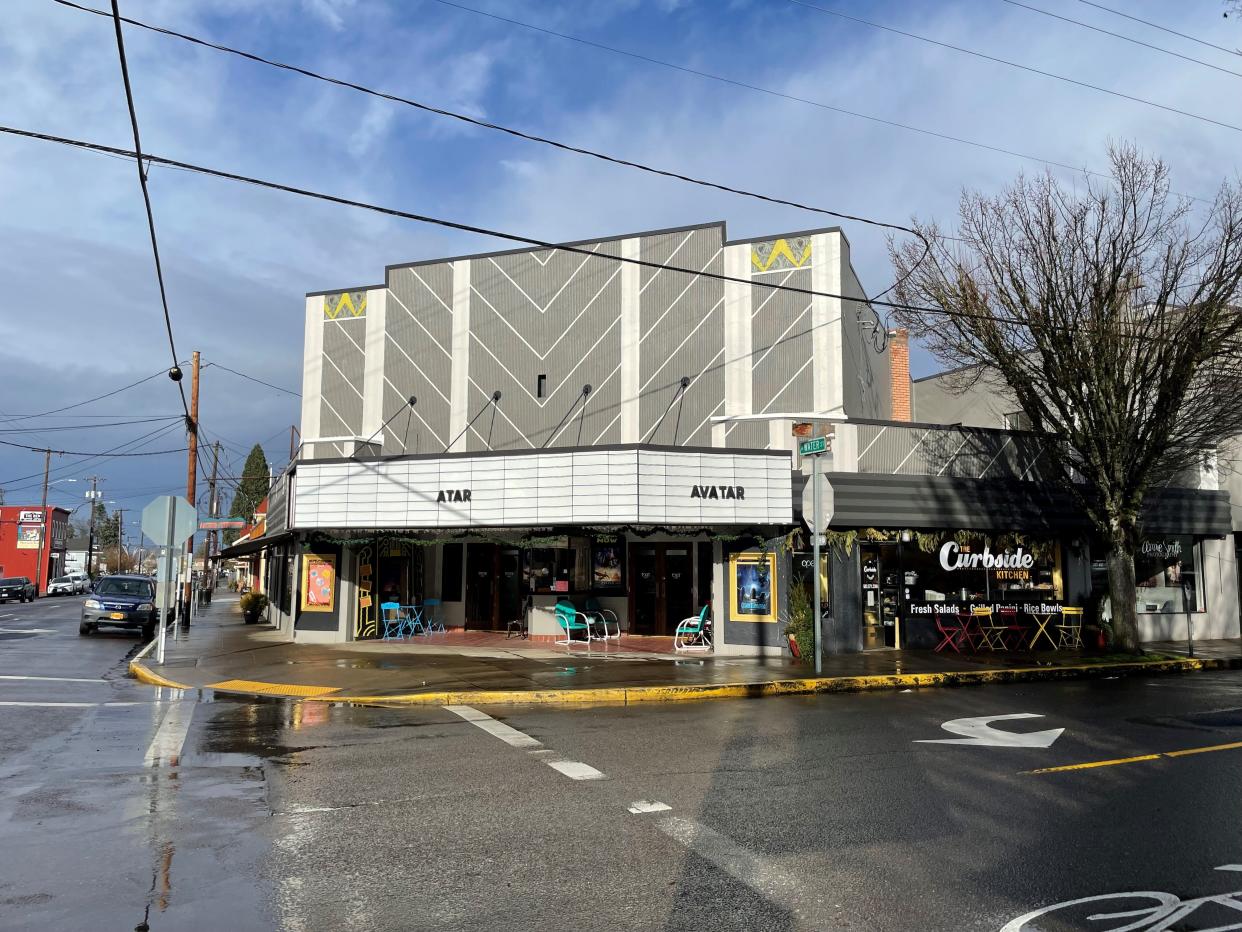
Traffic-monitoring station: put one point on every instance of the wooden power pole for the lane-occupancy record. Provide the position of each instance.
(44, 527)
(191, 475)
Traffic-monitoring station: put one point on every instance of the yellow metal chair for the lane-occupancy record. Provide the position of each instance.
(1069, 632)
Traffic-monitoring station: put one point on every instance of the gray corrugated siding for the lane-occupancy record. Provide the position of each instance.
(278, 506)
(553, 313)
(418, 357)
(341, 408)
(963, 453)
(682, 334)
(861, 500)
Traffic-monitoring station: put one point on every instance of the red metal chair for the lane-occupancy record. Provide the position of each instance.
(1015, 631)
(972, 634)
(953, 634)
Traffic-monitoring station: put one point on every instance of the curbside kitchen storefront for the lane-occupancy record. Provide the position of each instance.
(903, 550)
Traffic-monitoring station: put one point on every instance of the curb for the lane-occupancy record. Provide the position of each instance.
(622, 695)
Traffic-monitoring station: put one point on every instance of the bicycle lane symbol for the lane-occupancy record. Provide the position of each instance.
(1163, 912)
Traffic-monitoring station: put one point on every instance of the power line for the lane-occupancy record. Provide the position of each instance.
(24, 446)
(530, 137)
(82, 466)
(1124, 38)
(512, 237)
(1172, 32)
(79, 404)
(896, 124)
(146, 195)
(253, 379)
(145, 420)
(1012, 64)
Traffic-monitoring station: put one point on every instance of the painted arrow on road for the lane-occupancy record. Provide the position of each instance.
(979, 731)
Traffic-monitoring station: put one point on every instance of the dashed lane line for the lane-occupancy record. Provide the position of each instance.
(575, 770)
(54, 679)
(505, 733)
(648, 805)
(165, 748)
(1091, 765)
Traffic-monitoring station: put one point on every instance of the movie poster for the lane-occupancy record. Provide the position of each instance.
(318, 582)
(606, 566)
(753, 589)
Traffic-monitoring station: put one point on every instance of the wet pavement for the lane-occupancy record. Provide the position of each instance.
(219, 650)
(126, 806)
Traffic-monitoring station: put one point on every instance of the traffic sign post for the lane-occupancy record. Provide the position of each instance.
(167, 520)
(815, 447)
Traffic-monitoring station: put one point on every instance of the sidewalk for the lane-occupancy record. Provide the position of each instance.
(219, 652)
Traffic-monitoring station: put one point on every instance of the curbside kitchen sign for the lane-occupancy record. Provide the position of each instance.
(952, 558)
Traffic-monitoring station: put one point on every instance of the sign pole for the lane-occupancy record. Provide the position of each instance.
(815, 609)
(164, 589)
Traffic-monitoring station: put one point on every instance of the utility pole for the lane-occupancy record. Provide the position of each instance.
(43, 528)
(120, 539)
(213, 508)
(191, 475)
(93, 495)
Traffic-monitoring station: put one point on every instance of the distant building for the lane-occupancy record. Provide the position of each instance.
(25, 532)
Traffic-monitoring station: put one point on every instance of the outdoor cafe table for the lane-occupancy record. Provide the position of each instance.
(1043, 618)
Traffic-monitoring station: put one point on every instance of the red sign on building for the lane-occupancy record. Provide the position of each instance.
(26, 532)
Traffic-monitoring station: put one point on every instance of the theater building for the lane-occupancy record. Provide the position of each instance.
(581, 426)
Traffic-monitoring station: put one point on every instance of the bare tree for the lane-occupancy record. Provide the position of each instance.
(1113, 318)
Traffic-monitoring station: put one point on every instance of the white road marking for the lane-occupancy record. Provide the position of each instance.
(28, 631)
(1230, 867)
(649, 805)
(54, 679)
(71, 705)
(773, 882)
(510, 736)
(979, 732)
(575, 770)
(169, 738)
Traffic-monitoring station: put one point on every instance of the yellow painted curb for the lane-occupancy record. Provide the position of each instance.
(623, 695)
(143, 675)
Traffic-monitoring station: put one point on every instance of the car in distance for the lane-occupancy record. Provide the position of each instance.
(122, 601)
(81, 580)
(17, 587)
(63, 585)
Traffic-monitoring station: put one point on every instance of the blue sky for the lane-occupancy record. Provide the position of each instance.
(82, 314)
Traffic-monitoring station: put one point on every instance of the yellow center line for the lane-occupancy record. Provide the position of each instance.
(1184, 752)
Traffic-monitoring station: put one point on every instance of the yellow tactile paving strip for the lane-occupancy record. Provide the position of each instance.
(273, 689)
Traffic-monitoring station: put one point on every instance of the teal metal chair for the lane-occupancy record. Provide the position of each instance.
(694, 634)
(393, 621)
(605, 617)
(571, 620)
(431, 615)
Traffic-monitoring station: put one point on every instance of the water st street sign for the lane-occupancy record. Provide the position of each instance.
(812, 447)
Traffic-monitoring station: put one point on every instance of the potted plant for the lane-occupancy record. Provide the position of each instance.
(253, 604)
(799, 630)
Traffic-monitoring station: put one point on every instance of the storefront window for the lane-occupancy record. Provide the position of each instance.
(560, 569)
(1164, 571)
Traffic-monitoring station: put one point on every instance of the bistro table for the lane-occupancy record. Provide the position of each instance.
(1043, 617)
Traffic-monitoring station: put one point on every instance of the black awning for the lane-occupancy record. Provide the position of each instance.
(247, 547)
(874, 500)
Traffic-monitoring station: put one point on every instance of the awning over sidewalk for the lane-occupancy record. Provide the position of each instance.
(246, 548)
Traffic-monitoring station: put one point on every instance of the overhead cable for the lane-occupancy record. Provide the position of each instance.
(146, 195)
(1172, 32)
(1012, 64)
(79, 404)
(530, 137)
(243, 375)
(1124, 38)
(512, 237)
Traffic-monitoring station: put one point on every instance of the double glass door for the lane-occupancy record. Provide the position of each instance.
(662, 587)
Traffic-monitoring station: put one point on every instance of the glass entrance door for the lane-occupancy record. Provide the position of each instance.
(481, 589)
(661, 587)
(645, 589)
(510, 585)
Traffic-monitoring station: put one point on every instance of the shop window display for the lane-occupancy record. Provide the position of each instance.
(1164, 574)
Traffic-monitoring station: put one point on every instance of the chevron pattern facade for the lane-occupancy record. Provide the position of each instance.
(538, 325)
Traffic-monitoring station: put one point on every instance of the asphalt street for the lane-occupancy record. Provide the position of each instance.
(124, 804)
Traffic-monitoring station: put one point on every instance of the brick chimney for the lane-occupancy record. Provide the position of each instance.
(899, 374)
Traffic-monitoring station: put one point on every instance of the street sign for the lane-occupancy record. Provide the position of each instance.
(979, 732)
(165, 528)
(220, 524)
(813, 447)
